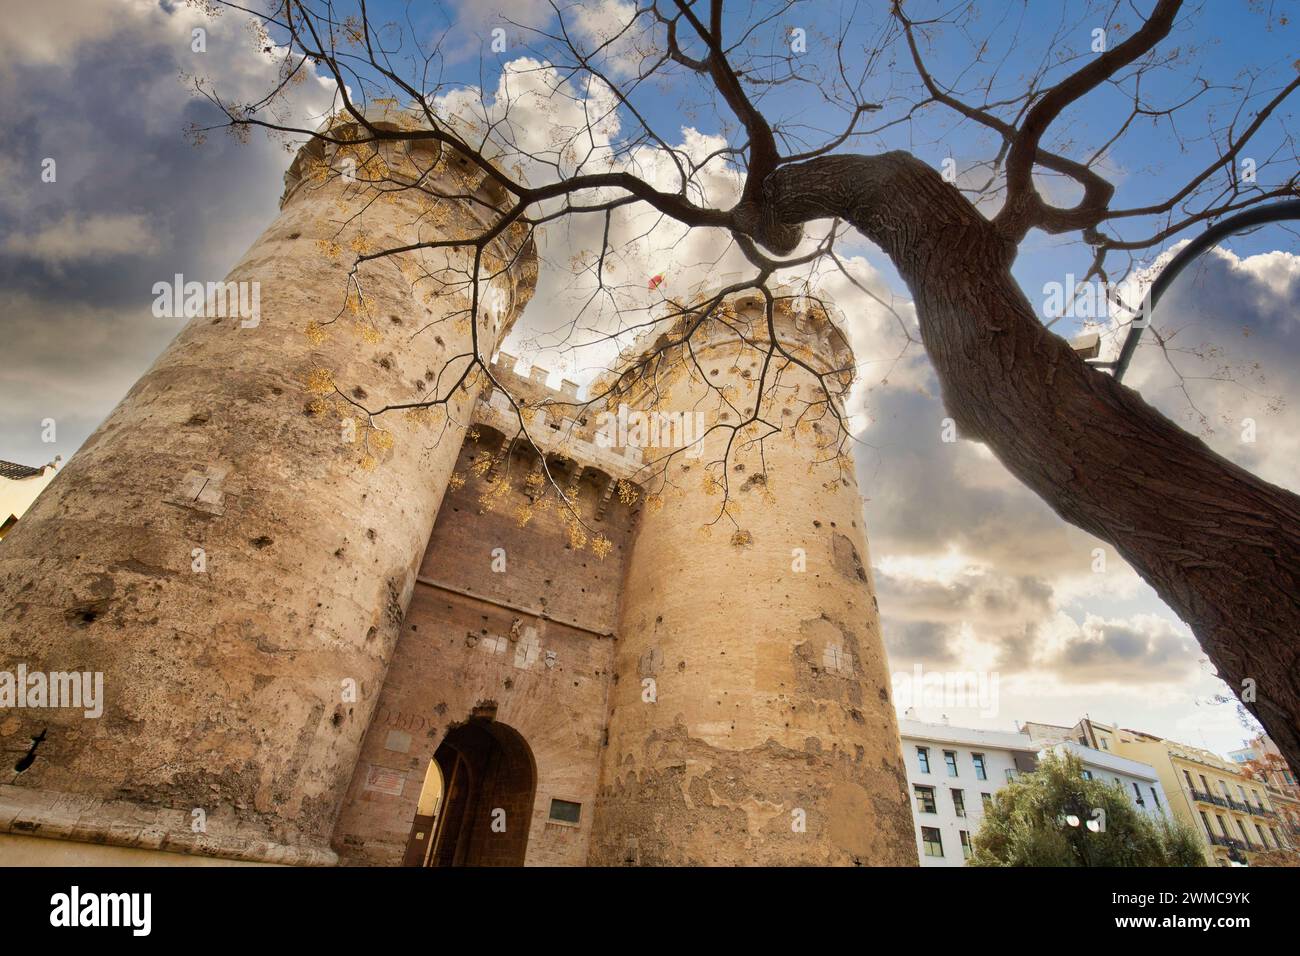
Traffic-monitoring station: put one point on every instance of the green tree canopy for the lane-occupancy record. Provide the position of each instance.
(1056, 817)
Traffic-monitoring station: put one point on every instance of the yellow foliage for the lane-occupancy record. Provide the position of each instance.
(320, 381)
(315, 334)
(627, 492)
(576, 533)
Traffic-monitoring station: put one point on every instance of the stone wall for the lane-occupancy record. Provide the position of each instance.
(532, 641)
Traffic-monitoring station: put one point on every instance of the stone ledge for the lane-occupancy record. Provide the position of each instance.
(82, 819)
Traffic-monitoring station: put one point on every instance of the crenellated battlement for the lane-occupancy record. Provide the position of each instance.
(805, 328)
(555, 418)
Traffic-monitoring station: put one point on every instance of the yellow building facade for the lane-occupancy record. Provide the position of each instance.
(1233, 813)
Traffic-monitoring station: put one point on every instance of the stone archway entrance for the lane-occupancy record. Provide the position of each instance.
(488, 781)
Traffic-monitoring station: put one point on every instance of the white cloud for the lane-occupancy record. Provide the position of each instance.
(94, 237)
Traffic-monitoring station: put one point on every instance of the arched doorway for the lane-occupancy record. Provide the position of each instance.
(487, 782)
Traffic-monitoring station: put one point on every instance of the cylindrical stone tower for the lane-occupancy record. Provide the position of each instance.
(750, 718)
(234, 548)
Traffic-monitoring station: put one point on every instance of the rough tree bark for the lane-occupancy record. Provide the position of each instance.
(1220, 546)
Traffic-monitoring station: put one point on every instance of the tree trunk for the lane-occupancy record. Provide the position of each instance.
(1220, 546)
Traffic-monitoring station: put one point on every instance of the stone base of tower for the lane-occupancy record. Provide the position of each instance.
(44, 828)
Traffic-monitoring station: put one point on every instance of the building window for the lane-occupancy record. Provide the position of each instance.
(1259, 802)
(925, 800)
(1190, 785)
(1223, 824)
(1206, 820)
(959, 803)
(1137, 793)
(980, 772)
(950, 758)
(565, 811)
(1105, 744)
(1087, 774)
(923, 759)
(1011, 775)
(1242, 790)
(965, 844)
(1155, 798)
(933, 842)
(987, 799)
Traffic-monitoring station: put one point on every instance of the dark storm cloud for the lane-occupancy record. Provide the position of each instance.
(134, 203)
(926, 641)
(1151, 652)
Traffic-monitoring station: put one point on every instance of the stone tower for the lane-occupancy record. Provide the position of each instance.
(235, 554)
(750, 719)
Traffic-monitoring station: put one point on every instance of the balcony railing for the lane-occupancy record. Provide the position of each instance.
(1227, 841)
(1262, 811)
(1208, 798)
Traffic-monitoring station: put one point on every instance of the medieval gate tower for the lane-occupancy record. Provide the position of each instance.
(321, 650)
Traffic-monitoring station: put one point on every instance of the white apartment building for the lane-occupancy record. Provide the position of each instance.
(953, 774)
(1138, 780)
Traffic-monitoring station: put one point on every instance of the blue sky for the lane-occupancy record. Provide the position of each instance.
(973, 571)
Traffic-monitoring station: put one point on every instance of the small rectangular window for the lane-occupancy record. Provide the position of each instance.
(925, 800)
(950, 758)
(932, 840)
(923, 758)
(1155, 797)
(965, 845)
(959, 803)
(565, 811)
(980, 772)
(987, 799)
